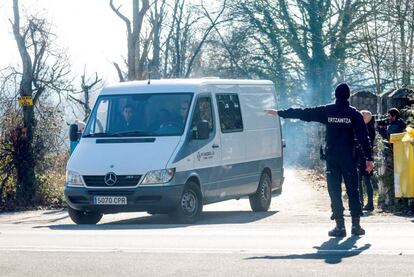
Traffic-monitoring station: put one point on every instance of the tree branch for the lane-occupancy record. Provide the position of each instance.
(120, 15)
(206, 33)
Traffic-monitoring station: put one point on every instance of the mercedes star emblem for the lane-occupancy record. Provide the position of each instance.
(110, 179)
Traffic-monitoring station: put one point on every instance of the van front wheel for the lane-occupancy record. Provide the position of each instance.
(190, 205)
(260, 201)
(83, 217)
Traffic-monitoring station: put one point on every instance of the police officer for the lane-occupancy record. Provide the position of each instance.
(343, 123)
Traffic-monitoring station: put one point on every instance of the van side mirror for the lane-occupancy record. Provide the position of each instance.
(203, 130)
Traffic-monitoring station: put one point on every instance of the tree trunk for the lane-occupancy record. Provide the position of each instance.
(155, 63)
(135, 70)
(157, 18)
(24, 163)
(411, 48)
(405, 73)
(24, 157)
(131, 57)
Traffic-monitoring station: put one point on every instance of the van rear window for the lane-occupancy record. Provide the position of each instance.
(229, 113)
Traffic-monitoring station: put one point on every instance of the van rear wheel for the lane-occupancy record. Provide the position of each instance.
(260, 201)
(190, 206)
(83, 217)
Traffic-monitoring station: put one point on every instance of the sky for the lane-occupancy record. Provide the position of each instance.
(88, 29)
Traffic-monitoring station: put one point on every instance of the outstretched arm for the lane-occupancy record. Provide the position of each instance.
(317, 114)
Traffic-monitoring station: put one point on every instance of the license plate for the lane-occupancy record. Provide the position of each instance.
(110, 200)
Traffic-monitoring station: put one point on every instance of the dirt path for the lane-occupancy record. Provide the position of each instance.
(306, 198)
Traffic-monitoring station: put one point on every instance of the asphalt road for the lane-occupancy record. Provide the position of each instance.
(289, 240)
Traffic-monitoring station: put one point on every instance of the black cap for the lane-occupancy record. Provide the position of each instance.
(342, 91)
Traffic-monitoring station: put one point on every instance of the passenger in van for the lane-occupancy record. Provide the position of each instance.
(164, 118)
(202, 113)
(226, 120)
(237, 121)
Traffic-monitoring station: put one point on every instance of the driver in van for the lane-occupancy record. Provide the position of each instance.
(128, 122)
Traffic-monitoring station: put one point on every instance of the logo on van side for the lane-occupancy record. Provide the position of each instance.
(205, 155)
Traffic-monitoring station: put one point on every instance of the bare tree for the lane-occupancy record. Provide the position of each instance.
(88, 86)
(44, 70)
(158, 14)
(401, 12)
(137, 49)
(377, 35)
(268, 50)
(213, 24)
(319, 34)
(177, 40)
(187, 35)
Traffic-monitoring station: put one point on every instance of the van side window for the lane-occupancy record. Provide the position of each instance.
(203, 111)
(229, 113)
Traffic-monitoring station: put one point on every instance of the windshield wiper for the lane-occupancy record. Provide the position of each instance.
(98, 135)
(131, 133)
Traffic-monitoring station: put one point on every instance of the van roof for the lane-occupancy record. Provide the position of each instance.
(174, 85)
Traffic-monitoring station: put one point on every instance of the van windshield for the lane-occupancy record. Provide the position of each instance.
(136, 115)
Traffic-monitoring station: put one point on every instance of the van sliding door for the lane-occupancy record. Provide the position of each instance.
(235, 171)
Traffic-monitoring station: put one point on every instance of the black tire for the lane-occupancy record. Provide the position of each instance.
(82, 217)
(190, 206)
(260, 201)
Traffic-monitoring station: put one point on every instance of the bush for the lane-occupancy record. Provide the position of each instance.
(384, 173)
(51, 182)
(50, 155)
(408, 115)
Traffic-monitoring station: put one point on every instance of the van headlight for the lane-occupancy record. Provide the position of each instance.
(73, 179)
(158, 176)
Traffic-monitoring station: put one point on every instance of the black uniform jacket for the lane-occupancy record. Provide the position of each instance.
(343, 123)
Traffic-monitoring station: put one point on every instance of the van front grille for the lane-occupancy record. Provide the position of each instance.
(122, 181)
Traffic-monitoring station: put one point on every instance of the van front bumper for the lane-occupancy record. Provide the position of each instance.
(154, 199)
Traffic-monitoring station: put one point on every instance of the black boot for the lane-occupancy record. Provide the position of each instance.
(356, 228)
(368, 207)
(339, 230)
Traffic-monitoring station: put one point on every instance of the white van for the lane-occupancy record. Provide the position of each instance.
(172, 146)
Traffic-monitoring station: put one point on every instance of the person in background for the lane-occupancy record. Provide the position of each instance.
(363, 176)
(395, 124)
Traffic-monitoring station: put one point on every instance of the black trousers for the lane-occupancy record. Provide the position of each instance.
(341, 165)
